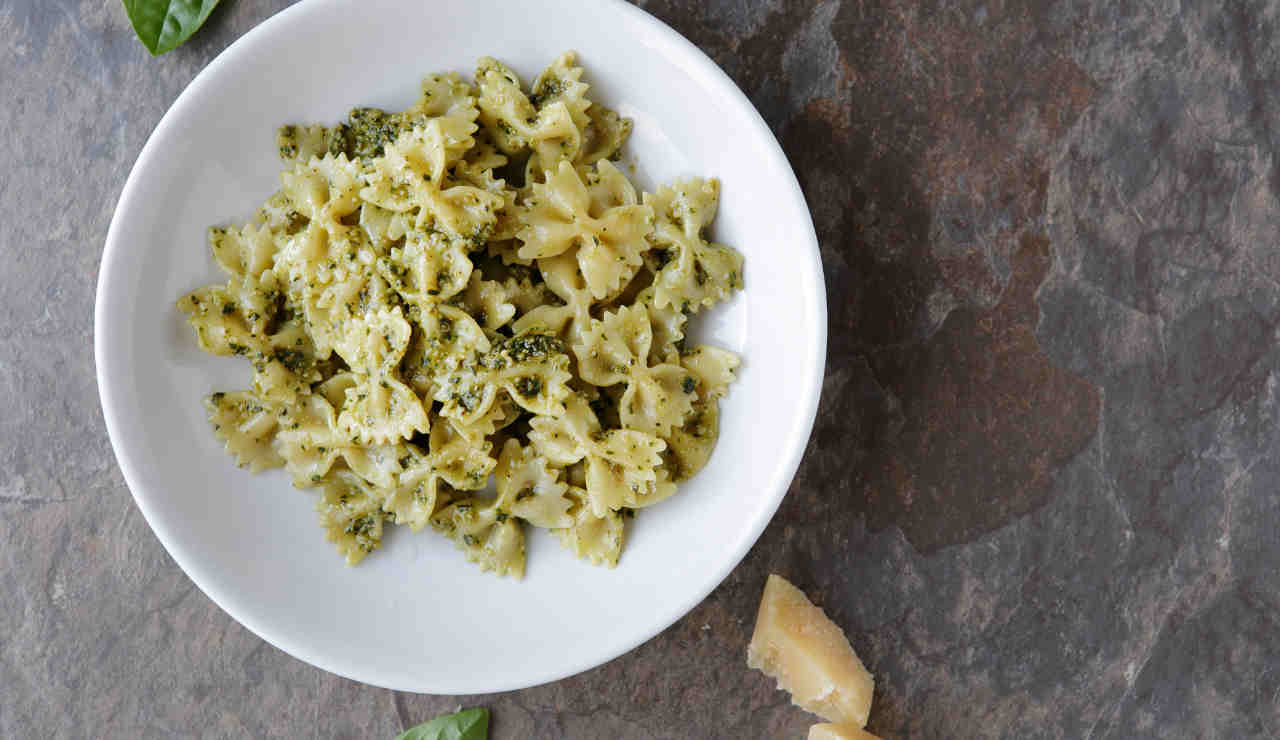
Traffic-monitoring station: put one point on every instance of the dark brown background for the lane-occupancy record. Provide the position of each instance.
(1041, 492)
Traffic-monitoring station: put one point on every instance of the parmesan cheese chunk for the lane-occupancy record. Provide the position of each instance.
(846, 731)
(809, 655)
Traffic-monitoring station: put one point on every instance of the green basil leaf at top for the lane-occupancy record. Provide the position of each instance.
(469, 724)
(162, 25)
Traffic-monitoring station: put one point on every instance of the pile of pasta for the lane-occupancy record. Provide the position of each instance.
(471, 290)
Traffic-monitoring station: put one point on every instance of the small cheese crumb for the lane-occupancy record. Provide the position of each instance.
(826, 731)
(795, 643)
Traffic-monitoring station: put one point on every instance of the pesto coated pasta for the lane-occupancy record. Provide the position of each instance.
(464, 317)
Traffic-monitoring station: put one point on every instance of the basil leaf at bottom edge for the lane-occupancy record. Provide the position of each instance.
(469, 724)
(163, 25)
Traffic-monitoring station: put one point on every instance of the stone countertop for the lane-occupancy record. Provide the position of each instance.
(1041, 493)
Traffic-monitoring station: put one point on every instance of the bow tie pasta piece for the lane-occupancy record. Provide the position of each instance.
(500, 415)
(250, 307)
(604, 136)
(333, 389)
(326, 291)
(561, 82)
(532, 368)
(622, 464)
(445, 342)
(247, 255)
(610, 241)
(712, 368)
(610, 348)
(526, 295)
(326, 268)
(375, 342)
(416, 494)
(657, 398)
(278, 216)
(287, 368)
(569, 321)
(627, 472)
(616, 350)
(505, 110)
(608, 188)
(244, 253)
(311, 443)
(458, 459)
(351, 514)
(563, 278)
(515, 123)
(529, 488)
(247, 427)
(467, 395)
(488, 302)
(611, 251)
(477, 170)
(596, 539)
(567, 438)
(688, 269)
(414, 176)
(324, 236)
(379, 408)
(329, 308)
(556, 122)
(489, 537)
(384, 229)
(300, 143)
(454, 459)
(428, 269)
(563, 322)
(446, 95)
(325, 191)
(221, 327)
(282, 354)
(560, 97)
(552, 215)
(667, 324)
(689, 446)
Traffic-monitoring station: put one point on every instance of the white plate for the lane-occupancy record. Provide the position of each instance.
(415, 616)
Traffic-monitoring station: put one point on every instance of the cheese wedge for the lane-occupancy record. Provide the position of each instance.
(826, 731)
(795, 643)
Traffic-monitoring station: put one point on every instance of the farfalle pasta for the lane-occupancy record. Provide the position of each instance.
(464, 318)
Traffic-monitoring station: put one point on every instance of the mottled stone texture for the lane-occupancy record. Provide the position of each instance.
(1041, 493)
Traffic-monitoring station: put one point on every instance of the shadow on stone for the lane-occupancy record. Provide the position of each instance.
(926, 173)
(985, 420)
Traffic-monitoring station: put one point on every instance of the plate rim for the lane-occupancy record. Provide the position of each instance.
(707, 71)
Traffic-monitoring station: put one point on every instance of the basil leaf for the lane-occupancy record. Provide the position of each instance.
(469, 724)
(162, 25)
